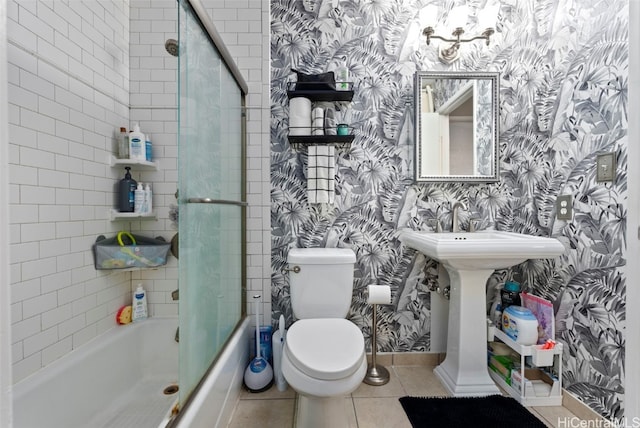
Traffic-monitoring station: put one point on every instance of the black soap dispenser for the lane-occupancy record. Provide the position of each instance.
(126, 191)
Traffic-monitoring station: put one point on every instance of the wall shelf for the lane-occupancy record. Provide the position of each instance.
(134, 164)
(321, 139)
(115, 215)
(321, 94)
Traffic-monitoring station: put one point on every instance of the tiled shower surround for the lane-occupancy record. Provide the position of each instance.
(78, 70)
(563, 84)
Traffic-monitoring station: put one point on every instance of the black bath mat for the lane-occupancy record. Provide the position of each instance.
(493, 411)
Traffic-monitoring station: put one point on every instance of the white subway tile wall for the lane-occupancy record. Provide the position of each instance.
(244, 26)
(68, 90)
(78, 71)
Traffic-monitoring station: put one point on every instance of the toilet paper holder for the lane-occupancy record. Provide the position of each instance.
(377, 374)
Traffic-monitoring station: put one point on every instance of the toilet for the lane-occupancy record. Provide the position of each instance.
(324, 357)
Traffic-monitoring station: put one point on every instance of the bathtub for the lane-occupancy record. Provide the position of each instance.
(116, 380)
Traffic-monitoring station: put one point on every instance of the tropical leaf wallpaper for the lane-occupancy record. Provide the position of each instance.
(563, 100)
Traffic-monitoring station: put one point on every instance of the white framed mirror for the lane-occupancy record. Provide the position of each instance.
(456, 117)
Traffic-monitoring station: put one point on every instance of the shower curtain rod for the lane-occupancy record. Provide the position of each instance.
(217, 41)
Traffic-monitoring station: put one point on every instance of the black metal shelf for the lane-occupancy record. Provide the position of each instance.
(320, 139)
(320, 94)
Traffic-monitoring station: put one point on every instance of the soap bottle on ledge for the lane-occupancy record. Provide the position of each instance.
(139, 305)
(126, 189)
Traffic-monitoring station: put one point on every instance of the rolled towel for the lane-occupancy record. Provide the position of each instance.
(317, 121)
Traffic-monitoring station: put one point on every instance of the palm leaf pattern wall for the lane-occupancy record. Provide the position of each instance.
(563, 96)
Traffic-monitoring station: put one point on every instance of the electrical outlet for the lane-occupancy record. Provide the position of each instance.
(606, 165)
(564, 207)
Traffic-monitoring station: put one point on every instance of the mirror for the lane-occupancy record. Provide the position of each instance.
(456, 126)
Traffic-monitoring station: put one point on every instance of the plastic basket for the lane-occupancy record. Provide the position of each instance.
(125, 251)
(542, 357)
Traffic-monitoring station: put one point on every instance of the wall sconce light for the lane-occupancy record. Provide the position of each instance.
(451, 53)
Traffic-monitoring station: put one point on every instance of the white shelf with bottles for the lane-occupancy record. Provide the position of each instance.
(134, 164)
(115, 215)
(114, 162)
(547, 364)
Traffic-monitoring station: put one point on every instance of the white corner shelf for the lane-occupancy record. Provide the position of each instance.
(115, 215)
(134, 164)
(527, 394)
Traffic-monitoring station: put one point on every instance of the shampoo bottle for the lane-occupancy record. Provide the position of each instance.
(139, 310)
(126, 189)
(137, 144)
(138, 203)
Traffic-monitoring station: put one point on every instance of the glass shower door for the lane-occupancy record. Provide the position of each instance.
(211, 210)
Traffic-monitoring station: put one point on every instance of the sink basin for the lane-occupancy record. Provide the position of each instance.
(470, 259)
(481, 250)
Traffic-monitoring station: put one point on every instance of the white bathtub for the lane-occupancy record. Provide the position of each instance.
(115, 380)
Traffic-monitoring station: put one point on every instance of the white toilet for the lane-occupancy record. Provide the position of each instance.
(324, 358)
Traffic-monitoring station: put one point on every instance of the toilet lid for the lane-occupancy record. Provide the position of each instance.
(325, 348)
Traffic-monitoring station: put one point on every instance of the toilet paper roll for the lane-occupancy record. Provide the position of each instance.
(299, 116)
(299, 126)
(379, 294)
(300, 105)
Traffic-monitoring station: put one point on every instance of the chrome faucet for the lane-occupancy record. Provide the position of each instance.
(455, 222)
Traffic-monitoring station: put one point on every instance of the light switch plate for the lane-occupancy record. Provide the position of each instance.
(564, 207)
(606, 165)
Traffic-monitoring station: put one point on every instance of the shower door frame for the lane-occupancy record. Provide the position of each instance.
(228, 62)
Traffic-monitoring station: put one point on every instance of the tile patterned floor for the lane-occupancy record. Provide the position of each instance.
(367, 406)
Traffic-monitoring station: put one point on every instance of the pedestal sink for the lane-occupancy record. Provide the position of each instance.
(470, 259)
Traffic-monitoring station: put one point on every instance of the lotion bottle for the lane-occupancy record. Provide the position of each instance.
(139, 310)
(137, 144)
(138, 204)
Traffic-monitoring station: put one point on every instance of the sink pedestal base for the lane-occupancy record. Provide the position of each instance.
(464, 371)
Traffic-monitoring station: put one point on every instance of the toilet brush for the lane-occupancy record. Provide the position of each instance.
(258, 374)
(377, 374)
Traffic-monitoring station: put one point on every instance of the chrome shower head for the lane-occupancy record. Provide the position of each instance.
(171, 45)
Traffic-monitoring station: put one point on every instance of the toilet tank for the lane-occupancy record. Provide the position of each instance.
(324, 285)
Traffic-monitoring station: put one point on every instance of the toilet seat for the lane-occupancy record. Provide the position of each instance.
(325, 348)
